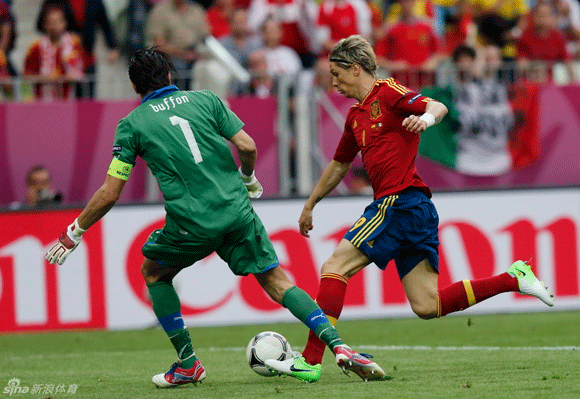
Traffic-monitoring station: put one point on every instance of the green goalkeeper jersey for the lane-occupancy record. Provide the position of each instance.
(180, 135)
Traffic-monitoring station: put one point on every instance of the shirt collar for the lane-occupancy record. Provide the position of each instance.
(162, 92)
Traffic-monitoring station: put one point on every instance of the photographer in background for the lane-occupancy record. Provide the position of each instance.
(39, 191)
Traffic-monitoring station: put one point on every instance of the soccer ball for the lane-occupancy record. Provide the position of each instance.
(267, 345)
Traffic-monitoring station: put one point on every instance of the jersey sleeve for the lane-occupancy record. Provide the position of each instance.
(125, 147)
(347, 147)
(124, 151)
(404, 99)
(228, 123)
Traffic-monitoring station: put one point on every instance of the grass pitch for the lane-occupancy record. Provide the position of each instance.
(534, 355)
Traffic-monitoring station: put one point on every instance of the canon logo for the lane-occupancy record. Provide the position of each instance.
(100, 285)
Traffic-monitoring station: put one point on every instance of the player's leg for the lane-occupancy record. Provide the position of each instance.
(167, 308)
(427, 301)
(170, 258)
(344, 263)
(249, 250)
(277, 284)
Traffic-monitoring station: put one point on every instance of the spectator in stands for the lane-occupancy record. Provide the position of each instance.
(542, 44)
(65, 5)
(241, 43)
(376, 20)
(87, 15)
(338, 19)
(422, 9)
(459, 27)
(500, 23)
(410, 49)
(136, 13)
(296, 18)
(568, 22)
(273, 61)
(177, 27)
(39, 190)
(485, 116)
(56, 59)
(219, 16)
(7, 39)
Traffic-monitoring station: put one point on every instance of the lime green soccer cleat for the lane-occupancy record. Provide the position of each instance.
(296, 367)
(529, 283)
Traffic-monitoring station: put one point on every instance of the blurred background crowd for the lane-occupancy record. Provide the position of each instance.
(79, 48)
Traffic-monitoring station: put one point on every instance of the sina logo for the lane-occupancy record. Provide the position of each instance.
(14, 387)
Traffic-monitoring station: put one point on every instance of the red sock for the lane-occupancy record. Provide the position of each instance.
(466, 293)
(330, 299)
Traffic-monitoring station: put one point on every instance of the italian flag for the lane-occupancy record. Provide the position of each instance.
(439, 143)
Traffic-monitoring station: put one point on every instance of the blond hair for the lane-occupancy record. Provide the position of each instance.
(354, 50)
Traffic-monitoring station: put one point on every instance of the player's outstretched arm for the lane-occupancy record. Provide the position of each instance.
(331, 177)
(101, 202)
(434, 113)
(248, 153)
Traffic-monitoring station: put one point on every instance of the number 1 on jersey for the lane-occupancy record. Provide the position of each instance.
(189, 137)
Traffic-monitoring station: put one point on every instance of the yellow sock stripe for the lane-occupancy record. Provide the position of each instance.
(370, 223)
(438, 306)
(374, 222)
(469, 291)
(332, 320)
(334, 276)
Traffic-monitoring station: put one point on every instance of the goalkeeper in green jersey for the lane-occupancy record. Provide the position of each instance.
(180, 135)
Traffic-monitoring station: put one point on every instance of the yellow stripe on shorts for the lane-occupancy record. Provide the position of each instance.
(469, 291)
(375, 221)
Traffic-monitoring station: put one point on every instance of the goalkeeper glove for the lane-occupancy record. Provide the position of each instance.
(68, 241)
(253, 186)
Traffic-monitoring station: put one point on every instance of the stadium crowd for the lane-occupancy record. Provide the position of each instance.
(413, 39)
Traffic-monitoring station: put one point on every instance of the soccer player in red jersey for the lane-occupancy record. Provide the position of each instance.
(401, 223)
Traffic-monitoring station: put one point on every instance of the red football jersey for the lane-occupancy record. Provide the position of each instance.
(412, 42)
(388, 150)
(340, 18)
(218, 22)
(552, 48)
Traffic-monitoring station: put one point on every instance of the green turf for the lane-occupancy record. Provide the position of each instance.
(120, 364)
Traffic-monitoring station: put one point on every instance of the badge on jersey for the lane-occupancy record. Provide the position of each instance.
(375, 109)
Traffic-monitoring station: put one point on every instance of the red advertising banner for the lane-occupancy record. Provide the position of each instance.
(35, 295)
(100, 284)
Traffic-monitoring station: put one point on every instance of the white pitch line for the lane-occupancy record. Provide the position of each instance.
(471, 348)
(358, 347)
(429, 348)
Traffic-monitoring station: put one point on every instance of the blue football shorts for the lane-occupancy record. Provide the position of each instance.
(403, 227)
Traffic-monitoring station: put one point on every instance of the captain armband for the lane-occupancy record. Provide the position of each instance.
(119, 169)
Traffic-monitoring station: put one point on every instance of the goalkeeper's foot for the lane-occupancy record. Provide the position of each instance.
(296, 367)
(177, 376)
(529, 283)
(358, 363)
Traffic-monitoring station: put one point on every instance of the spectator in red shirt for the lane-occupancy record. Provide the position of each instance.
(542, 45)
(410, 49)
(7, 39)
(83, 16)
(56, 59)
(219, 16)
(338, 19)
(296, 18)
